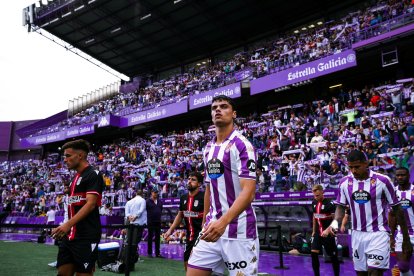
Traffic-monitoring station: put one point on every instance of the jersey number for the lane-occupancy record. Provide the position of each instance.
(356, 254)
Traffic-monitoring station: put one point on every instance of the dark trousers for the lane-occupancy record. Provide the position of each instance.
(136, 238)
(154, 231)
(136, 233)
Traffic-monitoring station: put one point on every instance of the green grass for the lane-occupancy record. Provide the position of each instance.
(31, 259)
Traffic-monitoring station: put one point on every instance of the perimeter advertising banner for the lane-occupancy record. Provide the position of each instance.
(204, 99)
(108, 120)
(304, 72)
(154, 114)
(58, 136)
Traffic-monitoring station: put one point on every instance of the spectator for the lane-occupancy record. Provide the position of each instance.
(154, 211)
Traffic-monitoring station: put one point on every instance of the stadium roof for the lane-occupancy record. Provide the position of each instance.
(136, 37)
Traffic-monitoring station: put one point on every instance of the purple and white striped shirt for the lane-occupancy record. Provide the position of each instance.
(368, 200)
(225, 165)
(406, 199)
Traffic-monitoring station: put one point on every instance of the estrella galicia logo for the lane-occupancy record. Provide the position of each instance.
(361, 196)
(215, 168)
(351, 58)
(405, 203)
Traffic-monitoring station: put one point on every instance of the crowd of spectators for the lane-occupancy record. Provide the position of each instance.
(297, 146)
(287, 50)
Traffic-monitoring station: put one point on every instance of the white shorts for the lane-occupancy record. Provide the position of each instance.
(398, 242)
(370, 250)
(238, 256)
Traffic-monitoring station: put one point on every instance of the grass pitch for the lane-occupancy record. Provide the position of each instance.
(31, 259)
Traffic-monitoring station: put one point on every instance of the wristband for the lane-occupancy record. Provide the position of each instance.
(334, 225)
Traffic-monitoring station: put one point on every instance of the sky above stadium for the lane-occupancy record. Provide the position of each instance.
(37, 76)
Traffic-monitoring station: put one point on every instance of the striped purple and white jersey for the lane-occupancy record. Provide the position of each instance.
(406, 199)
(369, 201)
(225, 165)
(301, 171)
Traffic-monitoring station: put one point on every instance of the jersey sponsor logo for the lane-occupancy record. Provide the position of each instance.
(236, 265)
(86, 265)
(75, 199)
(93, 246)
(321, 216)
(405, 203)
(215, 168)
(361, 196)
(185, 201)
(79, 181)
(195, 203)
(375, 257)
(251, 165)
(191, 214)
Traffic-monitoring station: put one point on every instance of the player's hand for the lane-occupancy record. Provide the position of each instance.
(60, 232)
(167, 234)
(407, 248)
(343, 228)
(327, 232)
(214, 230)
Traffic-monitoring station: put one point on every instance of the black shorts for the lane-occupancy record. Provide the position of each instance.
(329, 243)
(83, 254)
(188, 248)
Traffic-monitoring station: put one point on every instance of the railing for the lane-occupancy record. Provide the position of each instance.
(381, 28)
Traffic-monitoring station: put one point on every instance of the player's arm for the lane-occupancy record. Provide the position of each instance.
(215, 229)
(400, 220)
(90, 205)
(206, 204)
(344, 222)
(178, 218)
(313, 226)
(392, 222)
(333, 228)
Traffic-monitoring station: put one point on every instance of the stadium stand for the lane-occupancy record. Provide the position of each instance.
(301, 140)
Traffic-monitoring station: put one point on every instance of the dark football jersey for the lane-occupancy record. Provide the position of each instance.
(90, 181)
(192, 208)
(322, 212)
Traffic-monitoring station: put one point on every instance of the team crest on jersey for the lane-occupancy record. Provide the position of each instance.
(195, 203)
(228, 147)
(79, 181)
(373, 181)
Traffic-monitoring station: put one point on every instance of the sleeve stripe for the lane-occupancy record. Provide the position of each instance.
(338, 203)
